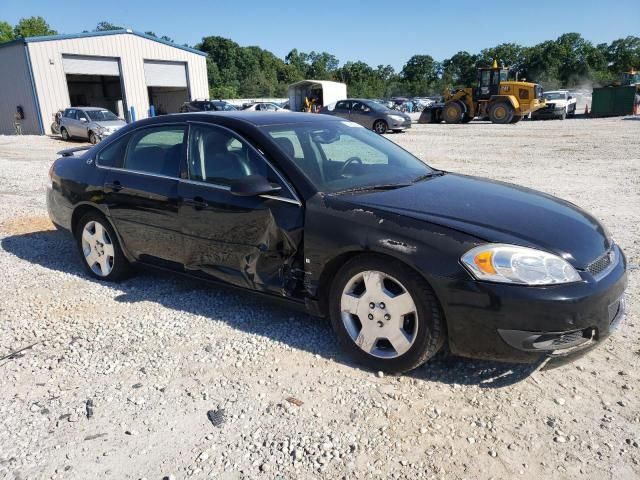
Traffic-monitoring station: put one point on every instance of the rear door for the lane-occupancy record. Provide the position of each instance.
(71, 122)
(141, 191)
(81, 125)
(247, 241)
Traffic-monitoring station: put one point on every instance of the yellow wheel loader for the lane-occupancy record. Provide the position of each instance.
(494, 97)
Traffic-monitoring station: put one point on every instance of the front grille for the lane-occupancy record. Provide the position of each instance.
(600, 264)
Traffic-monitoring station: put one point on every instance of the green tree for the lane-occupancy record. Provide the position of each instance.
(33, 27)
(460, 70)
(105, 26)
(420, 75)
(6, 32)
(624, 54)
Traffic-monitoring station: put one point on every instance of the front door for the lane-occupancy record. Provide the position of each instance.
(342, 109)
(141, 192)
(247, 241)
(361, 114)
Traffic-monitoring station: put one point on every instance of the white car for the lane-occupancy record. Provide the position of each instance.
(560, 104)
(263, 107)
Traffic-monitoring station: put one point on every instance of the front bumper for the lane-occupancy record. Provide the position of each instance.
(525, 324)
(548, 112)
(393, 125)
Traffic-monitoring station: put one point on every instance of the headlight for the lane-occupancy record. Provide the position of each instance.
(496, 262)
(397, 118)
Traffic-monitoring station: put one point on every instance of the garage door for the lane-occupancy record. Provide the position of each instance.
(165, 74)
(83, 65)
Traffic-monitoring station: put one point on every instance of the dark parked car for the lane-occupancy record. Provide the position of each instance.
(207, 106)
(331, 216)
(370, 114)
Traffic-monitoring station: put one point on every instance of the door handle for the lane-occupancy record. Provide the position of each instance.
(198, 203)
(116, 186)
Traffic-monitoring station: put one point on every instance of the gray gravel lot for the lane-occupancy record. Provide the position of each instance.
(156, 353)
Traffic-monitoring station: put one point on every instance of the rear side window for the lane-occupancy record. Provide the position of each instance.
(156, 150)
(112, 155)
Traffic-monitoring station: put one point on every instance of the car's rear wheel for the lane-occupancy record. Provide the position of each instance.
(65, 135)
(93, 138)
(385, 315)
(380, 126)
(101, 253)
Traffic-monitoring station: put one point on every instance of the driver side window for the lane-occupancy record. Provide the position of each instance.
(219, 157)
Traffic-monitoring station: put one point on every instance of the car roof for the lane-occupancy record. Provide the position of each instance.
(88, 108)
(257, 119)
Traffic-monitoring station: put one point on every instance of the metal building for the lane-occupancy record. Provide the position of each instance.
(121, 70)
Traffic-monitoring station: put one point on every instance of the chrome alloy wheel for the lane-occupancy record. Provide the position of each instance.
(97, 248)
(379, 314)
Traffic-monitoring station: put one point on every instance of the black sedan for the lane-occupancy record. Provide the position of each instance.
(403, 258)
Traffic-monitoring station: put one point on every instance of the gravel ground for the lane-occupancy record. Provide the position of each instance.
(117, 380)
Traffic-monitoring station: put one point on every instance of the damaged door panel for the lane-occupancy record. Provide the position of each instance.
(252, 242)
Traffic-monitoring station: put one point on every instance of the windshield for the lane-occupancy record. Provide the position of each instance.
(101, 115)
(377, 107)
(554, 96)
(342, 156)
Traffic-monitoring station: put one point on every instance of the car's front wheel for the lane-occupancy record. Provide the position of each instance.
(93, 138)
(101, 253)
(385, 315)
(65, 134)
(380, 126)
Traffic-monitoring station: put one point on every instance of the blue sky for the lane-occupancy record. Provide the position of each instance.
(377, 32)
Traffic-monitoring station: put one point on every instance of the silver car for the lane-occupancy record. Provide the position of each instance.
(92, 123)
(370, 114)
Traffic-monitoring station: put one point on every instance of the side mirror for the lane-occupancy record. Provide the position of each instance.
(569, 97)
(252, 186)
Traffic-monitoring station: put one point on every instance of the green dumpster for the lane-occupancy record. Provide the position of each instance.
(613, 101)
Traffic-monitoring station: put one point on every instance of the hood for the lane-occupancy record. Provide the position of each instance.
(110, 123)
(497, 212)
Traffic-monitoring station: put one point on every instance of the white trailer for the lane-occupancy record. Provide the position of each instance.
(324, 91)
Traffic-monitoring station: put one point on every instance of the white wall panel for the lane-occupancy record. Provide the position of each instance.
(15, 89)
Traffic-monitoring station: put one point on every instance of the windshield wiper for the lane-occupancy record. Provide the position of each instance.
(435, 173)
(383, 186)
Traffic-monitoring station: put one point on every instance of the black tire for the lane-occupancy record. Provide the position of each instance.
(120, 266)
(430, 333)
(516, 118)
(563, 115)
(55, 128)
(93, 138)
(453, 112)
(501, 112)
(380, 127)
(466, 118)
(65, 135)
